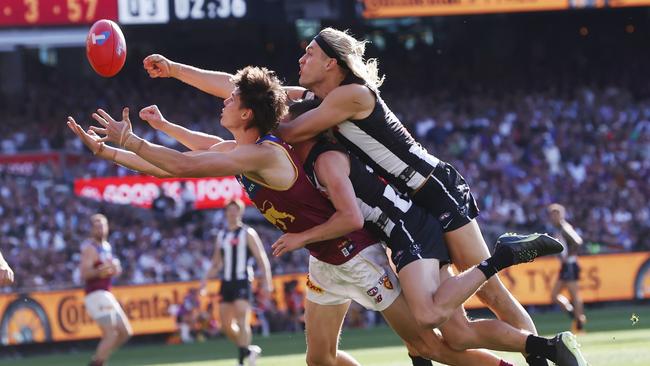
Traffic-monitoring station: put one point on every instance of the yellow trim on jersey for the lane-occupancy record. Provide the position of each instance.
(295, 169)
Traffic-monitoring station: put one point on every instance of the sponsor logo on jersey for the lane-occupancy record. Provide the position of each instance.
(373, 291)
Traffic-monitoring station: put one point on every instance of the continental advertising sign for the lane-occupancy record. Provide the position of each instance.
(61, 316)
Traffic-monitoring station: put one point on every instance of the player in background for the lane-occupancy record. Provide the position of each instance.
(6, 273)
(273, 177)
(98, 267)
(235, 246)
(570, 270)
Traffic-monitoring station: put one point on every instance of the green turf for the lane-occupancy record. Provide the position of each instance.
(611, 340)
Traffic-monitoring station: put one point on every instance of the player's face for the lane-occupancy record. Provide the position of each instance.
(232, 114)
(312, 65)
(233, 214)
(99, 228)
(556, 217)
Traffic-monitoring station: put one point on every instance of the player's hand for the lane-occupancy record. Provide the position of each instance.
(113, 131)
(6, 274)
(106, 270)
(158, 66)
(153, 117)
(89, 138)
(287, 243)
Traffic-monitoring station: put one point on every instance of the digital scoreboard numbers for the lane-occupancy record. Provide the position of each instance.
(55, 12)
(164, 11)
(143, 11)
(208, 9)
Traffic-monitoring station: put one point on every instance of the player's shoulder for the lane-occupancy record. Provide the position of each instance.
(88, 246)
(357, 94)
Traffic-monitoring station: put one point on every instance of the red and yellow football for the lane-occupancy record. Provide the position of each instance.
(106, 48)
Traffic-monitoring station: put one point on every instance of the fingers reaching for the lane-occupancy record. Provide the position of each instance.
(105, 115)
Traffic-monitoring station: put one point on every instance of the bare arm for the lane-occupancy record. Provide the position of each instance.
(212, 82)
(343, 103)
(257, 248)
(215, 265)
(332, 170)
(193, 140)
(87, 265)
(570, 233)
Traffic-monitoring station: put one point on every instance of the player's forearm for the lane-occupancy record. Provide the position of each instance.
(295, 93)
(132, 161)
(292, 132)
(193, 140)
(569, 232)
(216, 83)
(338, 225)
(89, 273)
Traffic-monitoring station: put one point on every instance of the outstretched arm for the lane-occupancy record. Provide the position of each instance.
(332, 170)
(257, 248)
(193, 140)
(239, 159)
(215, 83)
(343, 103)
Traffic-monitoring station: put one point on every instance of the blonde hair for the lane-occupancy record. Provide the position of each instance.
(351, 51)
(556, 207)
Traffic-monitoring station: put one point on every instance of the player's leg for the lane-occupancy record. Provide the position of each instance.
(461, 333)
(426, 343)
(578, 306)
(123, 326)
(322, 327)
(227, 317)
(560, 299)
(101, 305)
(447, 197)
(243, 319)
(467, 248)
(433, 302)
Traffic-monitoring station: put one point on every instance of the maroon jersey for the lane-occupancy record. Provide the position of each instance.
(105, 253)
(302, 207)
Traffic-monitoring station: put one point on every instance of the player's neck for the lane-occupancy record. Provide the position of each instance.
(246, 136)
(322, 89)
(234, 226)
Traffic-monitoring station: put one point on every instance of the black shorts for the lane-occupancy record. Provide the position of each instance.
(447, 197)
(569, 271)
(420, 237)
(236, 290)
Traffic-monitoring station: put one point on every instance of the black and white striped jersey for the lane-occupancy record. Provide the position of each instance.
(382, 142)
(237, 258)
(382, 207)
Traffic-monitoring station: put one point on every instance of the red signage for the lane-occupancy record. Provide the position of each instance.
(55, 12)
(142, 190)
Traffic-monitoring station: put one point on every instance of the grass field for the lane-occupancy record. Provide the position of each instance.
(611, 340)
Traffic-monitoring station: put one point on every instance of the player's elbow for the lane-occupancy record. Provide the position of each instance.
(354, 221)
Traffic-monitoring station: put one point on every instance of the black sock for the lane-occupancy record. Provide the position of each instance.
(243, 352)
(419, 361)
(541, 346)
(502, 258)
(536, 360)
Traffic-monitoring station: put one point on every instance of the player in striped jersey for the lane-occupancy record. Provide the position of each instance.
(236, 245)
(418, 250)
(334, 69)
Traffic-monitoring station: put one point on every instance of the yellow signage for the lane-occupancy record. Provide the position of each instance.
(421, 8)
(61, 315)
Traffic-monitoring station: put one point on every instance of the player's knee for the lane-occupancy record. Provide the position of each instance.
(432, 318)
(320, 358)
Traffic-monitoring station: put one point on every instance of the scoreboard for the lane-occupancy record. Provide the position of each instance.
(18, 13)
(55, 12)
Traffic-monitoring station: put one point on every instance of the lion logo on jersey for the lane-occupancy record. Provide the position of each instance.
(274, 216)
